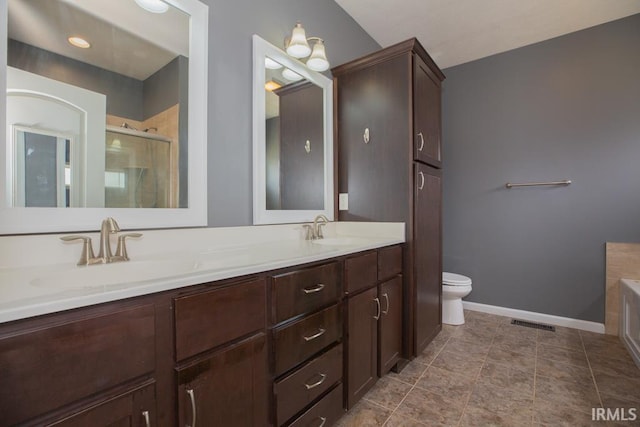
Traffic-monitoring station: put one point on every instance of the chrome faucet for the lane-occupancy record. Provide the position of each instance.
(315, 231)
(105, 255)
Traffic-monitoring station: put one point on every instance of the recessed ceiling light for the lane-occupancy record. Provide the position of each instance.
(79, 42)
(153, 6)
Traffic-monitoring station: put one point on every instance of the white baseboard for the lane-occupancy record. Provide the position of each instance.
(535, 317)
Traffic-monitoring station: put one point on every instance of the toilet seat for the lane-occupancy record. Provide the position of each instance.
(453, 279)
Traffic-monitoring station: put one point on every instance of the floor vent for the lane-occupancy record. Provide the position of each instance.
(533, 325)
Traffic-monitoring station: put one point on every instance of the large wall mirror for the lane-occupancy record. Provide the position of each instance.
(292, 138)
(104, 114)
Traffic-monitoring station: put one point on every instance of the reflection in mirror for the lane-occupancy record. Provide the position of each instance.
(293, 146)
(135, 74)
(116, 123)
(294, 141)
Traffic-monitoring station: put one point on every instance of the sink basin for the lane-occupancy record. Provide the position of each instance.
(114, 274)
(339, 241)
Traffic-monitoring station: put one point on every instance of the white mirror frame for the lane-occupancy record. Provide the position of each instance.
(262, 49)
(16, 220)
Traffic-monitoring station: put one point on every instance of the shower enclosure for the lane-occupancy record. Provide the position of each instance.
(138, 169)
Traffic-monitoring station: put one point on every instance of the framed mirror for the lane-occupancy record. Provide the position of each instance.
(292, 138)
(104, 114)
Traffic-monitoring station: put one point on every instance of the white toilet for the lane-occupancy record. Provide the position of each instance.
(454, 288)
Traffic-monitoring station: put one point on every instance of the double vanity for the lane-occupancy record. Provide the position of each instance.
(231, 326)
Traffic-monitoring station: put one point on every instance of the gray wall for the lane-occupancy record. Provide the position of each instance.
(231, 25)
(567, 108)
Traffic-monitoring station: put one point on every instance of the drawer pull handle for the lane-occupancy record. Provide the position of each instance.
(323, 420)
(317, 383)
(421, 141)
(316, 288)
(192, 397)
(386, 299)
(365, 136)
(145, 415)
(316, 335)
(421, 186)
(377, 300)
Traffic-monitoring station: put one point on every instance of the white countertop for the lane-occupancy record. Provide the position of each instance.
(163, 260)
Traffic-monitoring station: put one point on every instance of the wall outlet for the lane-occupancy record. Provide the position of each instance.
(343, 201)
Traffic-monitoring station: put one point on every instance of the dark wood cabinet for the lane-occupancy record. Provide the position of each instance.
(363, 311)
(428, 241)
(387, 115)
(227, 388)
(390, 336)
(135, 408)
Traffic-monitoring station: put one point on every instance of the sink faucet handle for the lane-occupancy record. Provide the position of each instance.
(310, 235)
(121, 249)
(87, 255)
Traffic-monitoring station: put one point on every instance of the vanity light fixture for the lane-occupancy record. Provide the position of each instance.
(79, 42)
(271, 64)
(153, 6)
(297, 46)
(292, 76)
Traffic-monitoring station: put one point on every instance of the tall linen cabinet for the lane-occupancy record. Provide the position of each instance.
(388, 136)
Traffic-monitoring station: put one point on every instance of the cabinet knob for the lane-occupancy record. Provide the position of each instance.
(377, 316)
(421, 146)
(365, 136)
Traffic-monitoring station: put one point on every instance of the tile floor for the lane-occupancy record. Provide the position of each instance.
(488, 372)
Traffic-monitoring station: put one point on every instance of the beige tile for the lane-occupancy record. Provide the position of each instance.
(563, 355)
(388, 392)
(503, 354)
(478, 315)
(519, 331)
(615, 402)
(622, 366)
(563, 337)
(516, 343)
(430, 407)
(564, 371)
(364, 414)
(459, 363)
(579, 396)
(410, 374)
(552, 414)
(432, 350)
(618, 386)
(604, 345)
(495, 398)
(399, 421)
(476, 347)
(446, 384)
(480, 417)
(508, 377)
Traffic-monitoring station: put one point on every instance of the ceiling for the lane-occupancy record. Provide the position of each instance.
(459, 31)
(124, 38)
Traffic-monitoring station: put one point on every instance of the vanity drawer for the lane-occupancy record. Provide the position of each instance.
(389, 262)
(209, 319)
(324, 413)
(47, 367)
(361, 271)
(296, 342)
(304, 291)
(297, 390)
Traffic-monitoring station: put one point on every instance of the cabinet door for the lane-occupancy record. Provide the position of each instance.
(363, 311)
(228, 388)
(428, 254)
(373, 107)
(390, 324)
(426, 100)
(135, 408)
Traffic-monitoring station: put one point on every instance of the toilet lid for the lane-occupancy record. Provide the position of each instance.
(453, 279)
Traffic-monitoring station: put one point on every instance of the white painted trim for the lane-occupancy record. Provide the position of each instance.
(531, 316)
